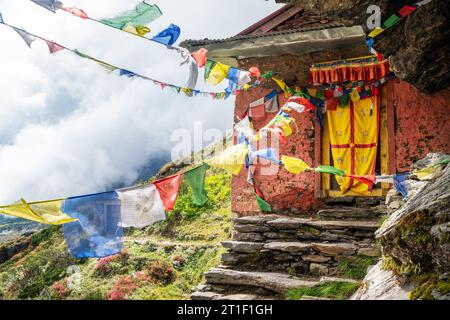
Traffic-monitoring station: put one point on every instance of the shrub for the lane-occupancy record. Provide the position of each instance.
(61, 289)
(123, 287)
(161, 272)
(111, 265)
(178, 262)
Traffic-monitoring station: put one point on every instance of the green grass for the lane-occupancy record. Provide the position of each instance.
(356, 268)
(329, 290)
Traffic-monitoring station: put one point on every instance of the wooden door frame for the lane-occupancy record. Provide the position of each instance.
(322, 182)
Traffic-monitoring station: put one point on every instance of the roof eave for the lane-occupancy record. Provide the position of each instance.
(296, 43)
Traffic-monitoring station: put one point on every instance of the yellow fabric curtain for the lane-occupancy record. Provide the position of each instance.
(354, 141)
(48, 212)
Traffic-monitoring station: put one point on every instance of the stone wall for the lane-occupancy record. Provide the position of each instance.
(422, 123)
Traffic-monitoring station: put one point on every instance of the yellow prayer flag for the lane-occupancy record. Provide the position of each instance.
(294, 165)
(312, 92)
(44, 212)
(231, 159)
(354, 95)
(137, 30)
(282, 85)
(375, 32)
(426, 173)
(218, 72)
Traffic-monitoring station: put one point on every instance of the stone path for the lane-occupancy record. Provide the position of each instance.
(270, 254)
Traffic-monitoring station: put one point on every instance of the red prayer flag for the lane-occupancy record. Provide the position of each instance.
(200, 57)
(368, 180)
(406, 10)
(53, 47)
(168, 191)
(254, 71)
(76, 12)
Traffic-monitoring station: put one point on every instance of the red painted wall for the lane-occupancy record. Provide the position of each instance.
(285, 192)
(422, 125)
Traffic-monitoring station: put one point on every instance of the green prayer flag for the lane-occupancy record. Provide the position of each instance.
(391, 21)
(262, 204)
(142, 15)
(208, 67)
(267, 75)
(344, 101)
(196, 180)
(330, 170)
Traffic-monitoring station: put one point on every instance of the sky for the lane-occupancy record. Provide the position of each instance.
(69, 128)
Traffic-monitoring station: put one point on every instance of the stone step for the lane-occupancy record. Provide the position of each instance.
(289, 229)
(295, 223)
(349, 213)
(275, 282)
(297, 258)
(211, 295)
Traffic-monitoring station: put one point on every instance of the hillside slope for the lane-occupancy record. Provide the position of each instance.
(163, 261)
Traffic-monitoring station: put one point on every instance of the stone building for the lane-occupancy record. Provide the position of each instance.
(289, 42)
(318, 225)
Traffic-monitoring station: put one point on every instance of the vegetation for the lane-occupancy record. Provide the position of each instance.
(162, 261)
(329, 290)
(356, 267)
(427, 284)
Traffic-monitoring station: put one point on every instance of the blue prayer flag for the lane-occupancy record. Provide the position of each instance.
(1, 18)
(168, 36)
(400, 184)
(98, 232)
(268, 154)
(127, 73)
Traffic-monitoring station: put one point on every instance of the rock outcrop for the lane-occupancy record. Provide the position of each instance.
(415, 241)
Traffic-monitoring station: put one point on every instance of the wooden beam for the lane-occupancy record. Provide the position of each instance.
(390, 88)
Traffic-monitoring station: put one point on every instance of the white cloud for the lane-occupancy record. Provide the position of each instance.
(66, 127)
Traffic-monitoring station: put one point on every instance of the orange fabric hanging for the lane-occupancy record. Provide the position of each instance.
(334, 72)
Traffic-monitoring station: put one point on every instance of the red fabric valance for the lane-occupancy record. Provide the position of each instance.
(353, 71)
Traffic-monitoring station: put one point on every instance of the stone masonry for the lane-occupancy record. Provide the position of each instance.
(270, 254)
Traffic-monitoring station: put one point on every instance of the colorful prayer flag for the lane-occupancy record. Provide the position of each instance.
(53, 47)
(384, 179)
(375, 32)
(330, 170)
(299, 104)
(282, 85)
(406, 10)
(200, 57)
(76, 12)
(391, 21)
(98, 231)
(254, 71)
(28, 38)
(217, 73)
(294, 165)
(168, 191)
(140, 206)
(48, 212)
(268, 154)
(263, 205)
(142, 15)
(400, 184)
(51, 5)
(168, 36)
(196, 180)
(140, 31)
(127, 73)
(231, 159)
(1, 18)
(366, 179)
